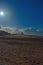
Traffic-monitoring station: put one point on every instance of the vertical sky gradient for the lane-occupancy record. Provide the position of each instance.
(22, 13)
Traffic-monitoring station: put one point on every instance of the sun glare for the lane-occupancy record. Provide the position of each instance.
(1, 13)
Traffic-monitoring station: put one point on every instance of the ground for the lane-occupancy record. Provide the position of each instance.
(21, 50)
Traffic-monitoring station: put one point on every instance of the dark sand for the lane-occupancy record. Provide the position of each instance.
(21, 50)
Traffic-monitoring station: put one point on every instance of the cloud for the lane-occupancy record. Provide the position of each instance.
(26, 31)
(38, 30)
(11, 30)
(32, 31)
(30, 28)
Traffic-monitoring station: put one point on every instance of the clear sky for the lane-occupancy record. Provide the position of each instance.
(22, 13)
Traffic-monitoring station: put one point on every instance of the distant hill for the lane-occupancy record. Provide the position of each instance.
(4, 33)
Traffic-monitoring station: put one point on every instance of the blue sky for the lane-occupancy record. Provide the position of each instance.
(22, 13)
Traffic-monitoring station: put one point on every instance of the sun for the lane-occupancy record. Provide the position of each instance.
(1, 13)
